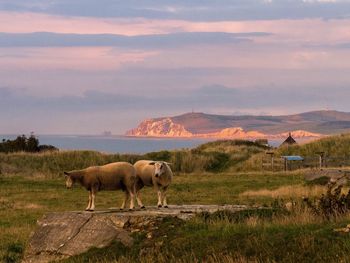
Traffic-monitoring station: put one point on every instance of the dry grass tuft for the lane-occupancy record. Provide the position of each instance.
(296, 191)
(21, 205)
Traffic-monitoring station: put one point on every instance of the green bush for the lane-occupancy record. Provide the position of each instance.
(14, 253)
(331, 204)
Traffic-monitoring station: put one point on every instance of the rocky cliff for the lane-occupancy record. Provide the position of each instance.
(160, 128)
(309, 124)
(166, 127)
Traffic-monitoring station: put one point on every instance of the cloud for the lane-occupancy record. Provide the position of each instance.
(45, 39)
(95, 111)
(195, 10)
(205, 98)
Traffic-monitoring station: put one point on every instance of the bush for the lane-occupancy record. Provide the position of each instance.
(331, 204)
(24, 144)
(14, 253)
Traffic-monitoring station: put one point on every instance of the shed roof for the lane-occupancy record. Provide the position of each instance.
(293, 158)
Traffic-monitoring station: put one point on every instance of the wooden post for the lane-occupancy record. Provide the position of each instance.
(272, 159)
(285, 164)
(321, 159)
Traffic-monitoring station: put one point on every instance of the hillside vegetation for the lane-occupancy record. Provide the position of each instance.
(215, 157)
(336, 151)
(210, 157)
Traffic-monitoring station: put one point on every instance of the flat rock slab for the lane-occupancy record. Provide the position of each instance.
(335, 175)
(63, 234)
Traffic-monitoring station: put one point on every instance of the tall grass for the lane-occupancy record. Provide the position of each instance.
(211, 157)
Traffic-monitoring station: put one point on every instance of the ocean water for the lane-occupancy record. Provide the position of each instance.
(114, 144)
(119, 144)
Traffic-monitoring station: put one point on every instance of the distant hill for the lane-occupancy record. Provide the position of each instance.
(308, 124)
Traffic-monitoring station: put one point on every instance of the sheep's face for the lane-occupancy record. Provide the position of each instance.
(159, 168)
(69, 181)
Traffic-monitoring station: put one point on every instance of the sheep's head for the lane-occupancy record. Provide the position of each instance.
(69, 180)
(159, 168)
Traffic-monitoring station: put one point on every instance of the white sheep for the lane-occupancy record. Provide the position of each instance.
(113, 176)
(153, 173)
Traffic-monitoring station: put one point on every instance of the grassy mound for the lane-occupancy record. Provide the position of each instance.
(216, 156)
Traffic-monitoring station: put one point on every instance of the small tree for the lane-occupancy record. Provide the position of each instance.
(32, 144)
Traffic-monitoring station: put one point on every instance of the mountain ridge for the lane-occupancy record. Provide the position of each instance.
(198, 124)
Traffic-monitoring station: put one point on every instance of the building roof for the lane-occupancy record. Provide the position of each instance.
(293, 158)
(290, 140)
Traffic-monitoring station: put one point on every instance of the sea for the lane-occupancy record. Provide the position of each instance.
(118, 144)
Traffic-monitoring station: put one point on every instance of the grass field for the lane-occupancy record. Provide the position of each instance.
(33, 184)
(273, 237)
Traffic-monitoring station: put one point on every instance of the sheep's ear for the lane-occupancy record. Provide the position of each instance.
(169, 163)
(152, 163)
(66, 173)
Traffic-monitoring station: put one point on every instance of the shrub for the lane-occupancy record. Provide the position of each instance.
(331, 204)
(14, 253)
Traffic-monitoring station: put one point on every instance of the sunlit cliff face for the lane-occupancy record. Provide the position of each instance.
(167, 128)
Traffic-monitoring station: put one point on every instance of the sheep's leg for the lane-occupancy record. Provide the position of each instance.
(165, 204)
(89, 203)
(125, 200)
(138, 199)
(92, 207)
(138, 187)
(132, 197)
(159, 197)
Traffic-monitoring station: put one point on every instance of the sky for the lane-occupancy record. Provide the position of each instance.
(88, 66)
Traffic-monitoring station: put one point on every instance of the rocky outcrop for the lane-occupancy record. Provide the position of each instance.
(239, 133)
(160, 128)
(248, 126)
(168, 128)
(299, 134)
(61, 235)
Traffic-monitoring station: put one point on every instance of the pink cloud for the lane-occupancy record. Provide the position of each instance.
(284, 31)
(78, 58)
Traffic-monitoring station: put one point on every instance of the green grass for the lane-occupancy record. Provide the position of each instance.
(256, 236)
(23, 200)
(220, 240)
(33, 184)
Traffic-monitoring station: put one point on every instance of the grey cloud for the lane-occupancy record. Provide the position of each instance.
(122, 111)
(189, 10)
(206, 98)
(45, 39)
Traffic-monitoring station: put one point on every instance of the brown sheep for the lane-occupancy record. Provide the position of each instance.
(151, 173)
(113, 176)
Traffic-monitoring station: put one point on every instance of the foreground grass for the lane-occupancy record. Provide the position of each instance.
(253, 236)
(228, 238)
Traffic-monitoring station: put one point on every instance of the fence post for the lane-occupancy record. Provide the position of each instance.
(285, 164)
(272, 159)
(321, 157)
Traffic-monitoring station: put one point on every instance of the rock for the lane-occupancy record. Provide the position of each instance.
(340, 177)
(61, 235)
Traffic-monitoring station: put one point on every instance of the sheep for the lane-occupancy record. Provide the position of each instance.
(153, 173)
(113, 176)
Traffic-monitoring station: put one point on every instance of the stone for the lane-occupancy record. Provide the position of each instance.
(340, 177)
(61, 235)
